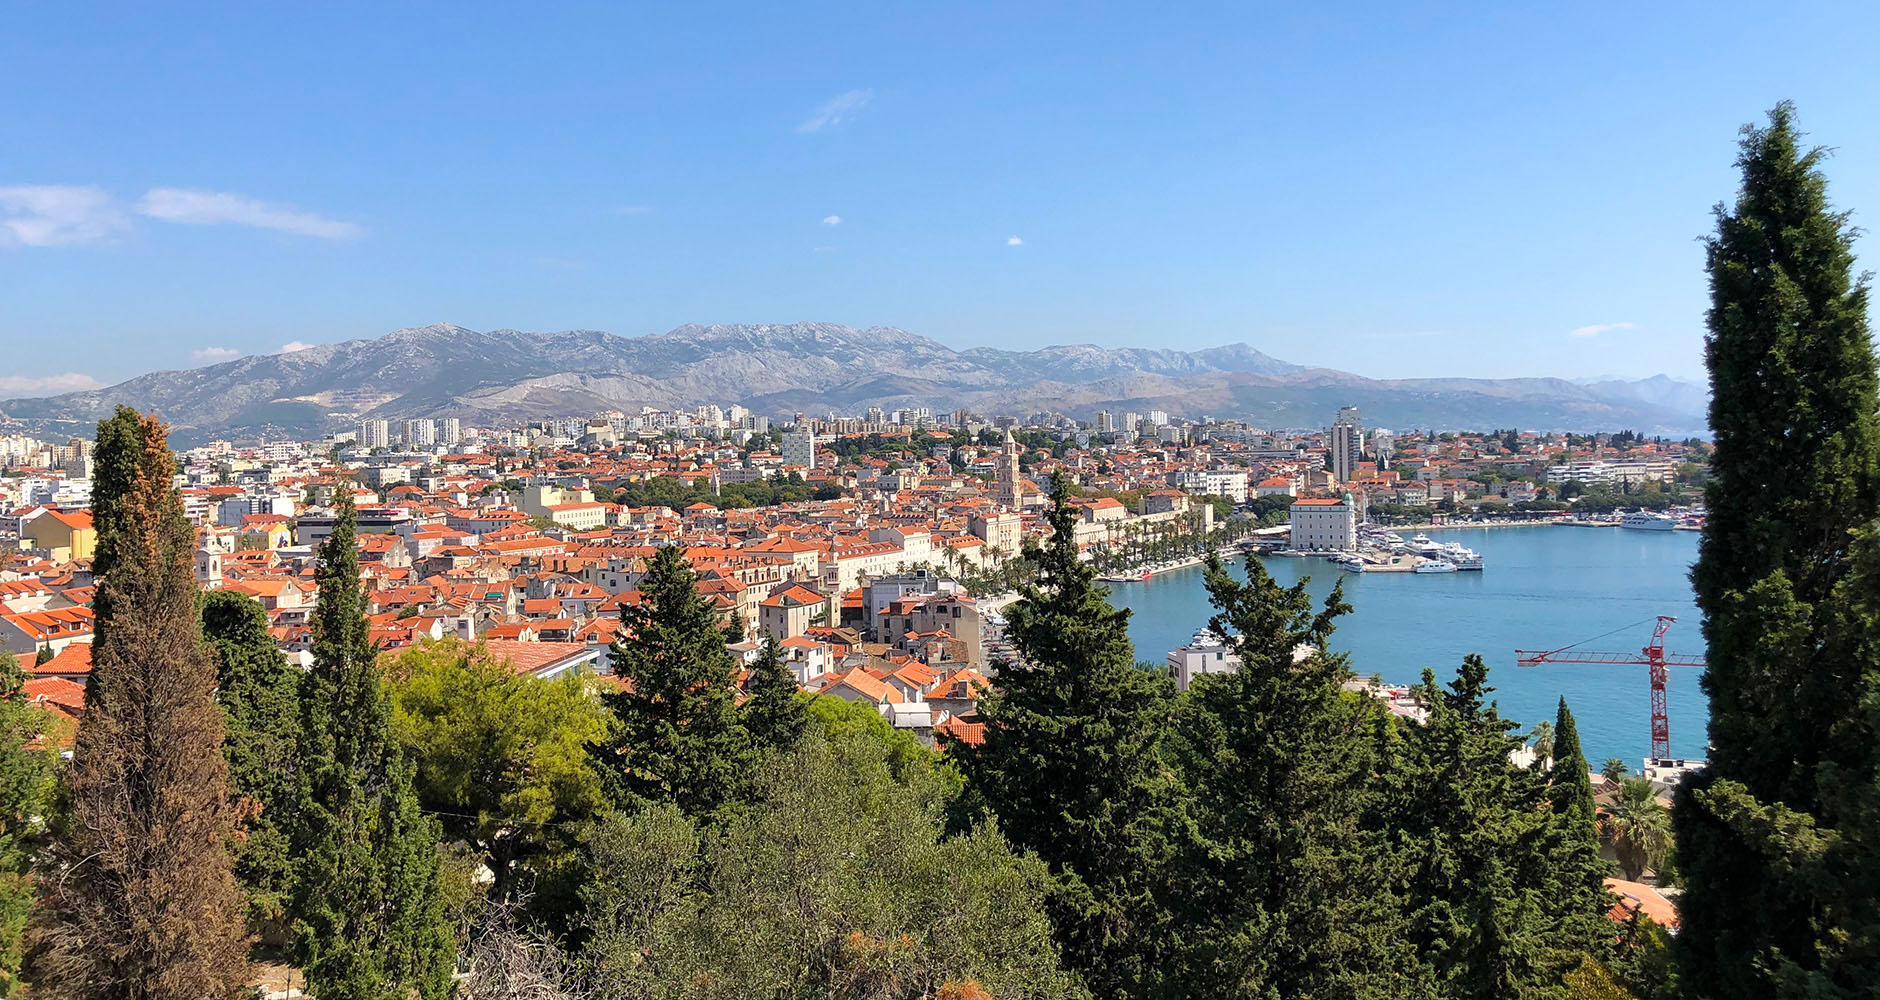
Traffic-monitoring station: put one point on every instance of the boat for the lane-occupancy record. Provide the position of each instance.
(1350, 562)
(1467, 560)
(1424, 545)
(1146, 574)
(1645, 520)
(1436, 566)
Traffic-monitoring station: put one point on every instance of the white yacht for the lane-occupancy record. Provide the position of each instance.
(1350, 562)
(1466, 559)
(1645, 520)
(1436, 566)
(1424, 545)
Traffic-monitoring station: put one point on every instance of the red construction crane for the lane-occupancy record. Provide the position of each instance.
(1653, 656)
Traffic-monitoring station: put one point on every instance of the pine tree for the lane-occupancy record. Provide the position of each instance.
(1776, 841)
(1473, 840)
(1072, 767)
(142, 902)
(678, 739)
(774, 711)
(259, 694)
(26, 779)
(1288, 891)
(365, 887)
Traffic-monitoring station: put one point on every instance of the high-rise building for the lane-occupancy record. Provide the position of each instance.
(1106, 424)
(1344, 457)
(799, 448)
(449, 430)
(1347, 443)
(1158, 417)
(375, 434)
(420, 433)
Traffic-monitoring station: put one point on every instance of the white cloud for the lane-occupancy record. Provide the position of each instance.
(45, 215)
(214, 354)
(832, 220)
(1598, 328)
(48, 385)
(294, 345)
(836, 110)
(1013, 241)
(209, 208)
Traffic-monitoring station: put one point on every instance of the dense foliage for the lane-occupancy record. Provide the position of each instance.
(366, 885)
(1780, 840)
(141, 900)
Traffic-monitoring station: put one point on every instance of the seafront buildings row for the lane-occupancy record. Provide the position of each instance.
(870, 546)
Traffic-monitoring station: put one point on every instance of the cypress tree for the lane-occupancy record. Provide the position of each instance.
(679, 739)
(26, 779)
(1776, 840)
(774, 712)
(142, 901)
(1287, 889)
(259, 694)
(1072, 767)
(1579, 900)
(365, 887)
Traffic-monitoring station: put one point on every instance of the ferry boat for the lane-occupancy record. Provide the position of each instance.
(1645, 520)
(1436, 566)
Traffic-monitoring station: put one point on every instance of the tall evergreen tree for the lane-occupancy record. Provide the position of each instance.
(1579, 901)
(365, 888)
(1479, 875)
(679, 739)
(1776, 840)
(142, 901)
(26, 778)
(1287, 890)
(774, 712)
(259, 694)
(1072, 766)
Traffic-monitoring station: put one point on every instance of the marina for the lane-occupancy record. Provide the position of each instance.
(1547, 587)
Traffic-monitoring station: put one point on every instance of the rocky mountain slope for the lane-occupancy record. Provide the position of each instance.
(505, 375)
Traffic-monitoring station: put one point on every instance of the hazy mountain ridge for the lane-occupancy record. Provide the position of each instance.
(501, 376)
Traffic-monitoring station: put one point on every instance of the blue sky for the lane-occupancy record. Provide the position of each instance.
(1487, 190)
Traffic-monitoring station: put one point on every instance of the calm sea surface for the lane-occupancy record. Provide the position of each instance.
(1544, 587)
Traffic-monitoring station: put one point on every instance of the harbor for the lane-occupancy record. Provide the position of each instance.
(1546, 587)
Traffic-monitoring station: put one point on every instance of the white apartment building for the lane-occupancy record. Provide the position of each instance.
(449, 430)
(1618, 472)
(1324, 524)
(799, 448)
(375, 434)
(420, 433)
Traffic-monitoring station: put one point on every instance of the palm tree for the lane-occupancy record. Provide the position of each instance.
(1615, 769)
(1637, 827)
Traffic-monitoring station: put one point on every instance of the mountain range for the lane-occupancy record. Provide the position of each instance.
(504, 376)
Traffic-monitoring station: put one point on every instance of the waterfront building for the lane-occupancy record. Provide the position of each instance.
(1324, 524)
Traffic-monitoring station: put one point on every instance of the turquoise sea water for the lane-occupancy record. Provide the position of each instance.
(1544, 587)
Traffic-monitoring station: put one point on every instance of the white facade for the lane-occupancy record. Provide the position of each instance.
(375, 434)
(1206, 653)
(799, 448)
(420, 433)
(1321, 524)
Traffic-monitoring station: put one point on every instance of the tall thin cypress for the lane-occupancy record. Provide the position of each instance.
(141, 902)
(365, 895)
(1777, 840)
(774, 712)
